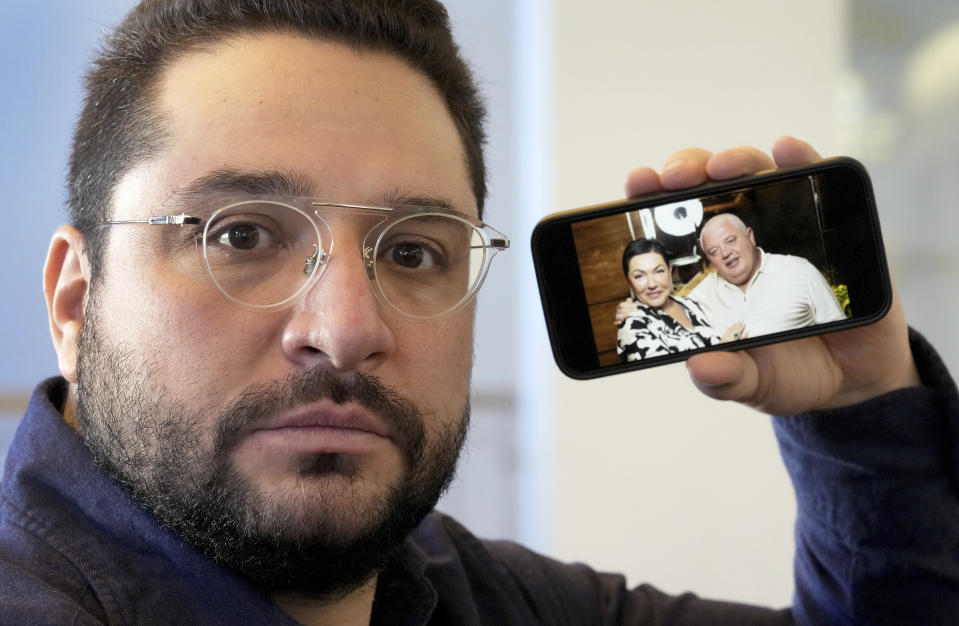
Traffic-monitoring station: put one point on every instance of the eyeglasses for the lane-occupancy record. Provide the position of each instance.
(264, 252)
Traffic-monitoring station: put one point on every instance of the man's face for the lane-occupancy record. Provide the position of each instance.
(309, 422)
(731, 250)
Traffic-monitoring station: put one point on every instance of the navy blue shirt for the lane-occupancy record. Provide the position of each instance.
(877, 539)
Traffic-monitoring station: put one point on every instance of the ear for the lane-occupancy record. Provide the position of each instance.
(66, 281)
(749, 233)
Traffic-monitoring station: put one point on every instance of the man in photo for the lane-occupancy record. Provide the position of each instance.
(767, 292)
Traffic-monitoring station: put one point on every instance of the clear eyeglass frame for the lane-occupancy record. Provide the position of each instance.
(484, 243)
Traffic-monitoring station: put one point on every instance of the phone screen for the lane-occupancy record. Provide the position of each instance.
(725, 266)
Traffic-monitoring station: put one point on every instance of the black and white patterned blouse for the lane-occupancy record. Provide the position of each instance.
(651, 332)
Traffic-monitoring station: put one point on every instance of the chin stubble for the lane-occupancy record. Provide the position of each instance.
(324, 539)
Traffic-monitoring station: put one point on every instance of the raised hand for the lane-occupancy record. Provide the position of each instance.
(623, 309)
(735, 332)
(819, 372)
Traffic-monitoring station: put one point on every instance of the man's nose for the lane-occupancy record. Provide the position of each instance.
(338, 322)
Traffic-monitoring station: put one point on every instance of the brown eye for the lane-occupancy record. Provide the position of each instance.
(242, 236)
(412, 254)
(408, 255)
(245, 236)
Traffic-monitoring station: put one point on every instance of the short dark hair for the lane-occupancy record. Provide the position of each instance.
(120, 125)
(642, 246)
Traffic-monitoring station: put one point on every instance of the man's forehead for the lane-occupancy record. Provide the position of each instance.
(283, 113)
(721, 225)
(281, 75)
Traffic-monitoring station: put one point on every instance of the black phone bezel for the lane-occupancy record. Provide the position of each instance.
(564, 300)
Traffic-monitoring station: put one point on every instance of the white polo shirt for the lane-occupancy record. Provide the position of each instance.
(786, 292)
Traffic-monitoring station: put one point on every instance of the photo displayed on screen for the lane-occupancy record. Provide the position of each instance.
(708, 271)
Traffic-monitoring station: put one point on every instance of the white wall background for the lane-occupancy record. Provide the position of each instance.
(645, 475)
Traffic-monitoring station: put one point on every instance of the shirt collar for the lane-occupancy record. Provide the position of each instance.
(403, 588)
(762, 266)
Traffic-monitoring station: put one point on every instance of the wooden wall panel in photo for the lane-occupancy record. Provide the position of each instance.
(599, 247)
(601, 317)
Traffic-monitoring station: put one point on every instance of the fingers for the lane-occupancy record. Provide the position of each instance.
(686, 168)
(733, 333)
(725, 375)
(695, 166)
(623, 310)
(642, 180)
(738, 162)
(791, 151)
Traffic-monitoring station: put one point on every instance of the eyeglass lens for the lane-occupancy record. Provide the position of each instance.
(264, 253)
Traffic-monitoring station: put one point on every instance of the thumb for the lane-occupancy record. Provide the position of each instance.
(725, 375)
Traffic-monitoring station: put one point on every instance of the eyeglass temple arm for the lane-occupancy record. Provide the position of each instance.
(500, 243)
(162, 220)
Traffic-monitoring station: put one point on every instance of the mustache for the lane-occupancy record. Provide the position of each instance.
(263, 400)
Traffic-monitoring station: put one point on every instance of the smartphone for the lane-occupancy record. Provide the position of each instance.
(724, 266)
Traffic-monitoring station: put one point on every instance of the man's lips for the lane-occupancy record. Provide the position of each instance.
(329, 415)
(321, 427)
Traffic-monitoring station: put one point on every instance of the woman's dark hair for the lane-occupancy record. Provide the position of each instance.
(642, 246)
(120, 125)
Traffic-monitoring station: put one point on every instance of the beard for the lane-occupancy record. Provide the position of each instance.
(324, 538)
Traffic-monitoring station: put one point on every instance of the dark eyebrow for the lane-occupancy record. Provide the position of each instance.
(266, 182)
(279, 183)
(398, 197)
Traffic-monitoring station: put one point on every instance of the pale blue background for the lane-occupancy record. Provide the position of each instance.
(44, 43)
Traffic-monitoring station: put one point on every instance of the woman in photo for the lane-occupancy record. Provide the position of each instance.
(662, 323)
